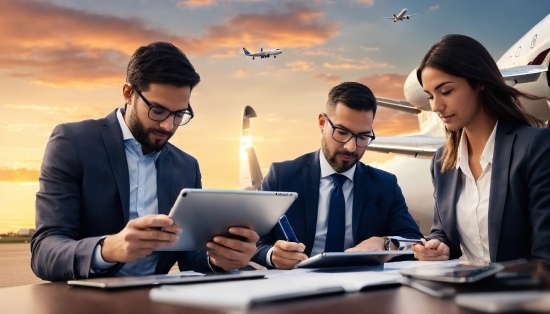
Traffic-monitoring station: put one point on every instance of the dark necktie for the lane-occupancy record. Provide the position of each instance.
(336, 216)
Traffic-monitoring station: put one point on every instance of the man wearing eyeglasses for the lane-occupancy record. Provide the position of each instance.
(343, 205)
(107, 185)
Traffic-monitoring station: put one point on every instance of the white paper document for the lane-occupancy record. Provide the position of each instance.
(280, 285)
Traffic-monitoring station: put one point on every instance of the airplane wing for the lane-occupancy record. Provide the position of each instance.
(522, 74)
(397, 104)
(413, 145)
(388, 18)
(410, 15)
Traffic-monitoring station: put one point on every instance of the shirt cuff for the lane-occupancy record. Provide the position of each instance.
(208, 261)
(268, 257)
(98, 264)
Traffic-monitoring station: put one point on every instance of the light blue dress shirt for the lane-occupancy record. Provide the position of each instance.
(143, 200)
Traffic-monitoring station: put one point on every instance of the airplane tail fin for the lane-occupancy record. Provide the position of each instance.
(261, 49)
(246, 52)
(394, 16)
(250, 173)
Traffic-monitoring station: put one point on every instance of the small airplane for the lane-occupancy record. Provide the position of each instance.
(263, 54)
(401, 16)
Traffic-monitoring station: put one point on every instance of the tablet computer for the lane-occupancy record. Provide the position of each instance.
(468, 272)
(153, 280)
(203, 214)
(345, 259)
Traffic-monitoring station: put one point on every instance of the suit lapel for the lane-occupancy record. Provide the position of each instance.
(504, 142)
(451, 186)
(114, 145)
(359, 193)
(311, 177)
(164, 180)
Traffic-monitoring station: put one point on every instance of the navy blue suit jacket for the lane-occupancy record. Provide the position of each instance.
(379, 207)
(519, 203)
(85, 194)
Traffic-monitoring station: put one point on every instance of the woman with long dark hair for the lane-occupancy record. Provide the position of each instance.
(492, 177)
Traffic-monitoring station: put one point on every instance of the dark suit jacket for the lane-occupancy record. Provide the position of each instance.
(379, 208)
(519, 203)
(84, 195)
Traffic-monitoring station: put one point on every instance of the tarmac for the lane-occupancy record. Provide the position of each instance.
(15, 265)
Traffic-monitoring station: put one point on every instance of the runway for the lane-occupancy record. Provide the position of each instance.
(15, 265)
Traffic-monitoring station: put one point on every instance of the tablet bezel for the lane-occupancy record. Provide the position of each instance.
(195, 209)
(346, 259)
(417, 272)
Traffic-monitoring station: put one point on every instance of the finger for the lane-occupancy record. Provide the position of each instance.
(152, 235)
(249, 234)
(226, 253)
(221, 261)
(151, 221)
(292, 256)
(290, 246)
(429, 252)
(234, 244)
(432, 244)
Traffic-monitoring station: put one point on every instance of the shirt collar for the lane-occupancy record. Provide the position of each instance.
(327, 170)
(127, 134)
(486, 155)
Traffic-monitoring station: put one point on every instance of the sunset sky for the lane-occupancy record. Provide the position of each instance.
(63, 61)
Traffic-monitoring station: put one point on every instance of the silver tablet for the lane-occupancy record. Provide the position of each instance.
(468, 272)
(203, 214)
(345, 259)
(149, 280)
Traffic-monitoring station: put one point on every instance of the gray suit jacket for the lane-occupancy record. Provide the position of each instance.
(519, 204)
(84, 195)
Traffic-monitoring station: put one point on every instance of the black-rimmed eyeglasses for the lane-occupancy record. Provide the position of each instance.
(343, 135)
(156, 113)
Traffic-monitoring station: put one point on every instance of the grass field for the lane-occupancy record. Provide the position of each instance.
(6, 239)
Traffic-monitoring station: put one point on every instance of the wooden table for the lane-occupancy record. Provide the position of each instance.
(63, 298)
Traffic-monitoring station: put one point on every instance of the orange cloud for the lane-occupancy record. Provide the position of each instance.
(388, 85)
(197, 3)
(241, 73)
(329, 78)
(300, 65)
(66, 46)
(19, 175)
(390, 122)
(363, 64)
(367, 2)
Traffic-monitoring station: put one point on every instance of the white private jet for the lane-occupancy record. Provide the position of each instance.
(263, 54)
(524, 66)
(401, 16)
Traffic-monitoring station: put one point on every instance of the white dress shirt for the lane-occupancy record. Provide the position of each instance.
(472, 209)
(325, 186)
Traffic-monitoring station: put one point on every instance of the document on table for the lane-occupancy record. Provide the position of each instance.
(285, 285)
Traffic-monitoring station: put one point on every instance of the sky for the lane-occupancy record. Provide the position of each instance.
(65, 60)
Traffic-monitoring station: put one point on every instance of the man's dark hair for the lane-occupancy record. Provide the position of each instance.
(160, 63)
(353, 95)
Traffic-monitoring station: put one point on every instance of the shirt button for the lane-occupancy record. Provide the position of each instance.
(141, 189)
(140, 208)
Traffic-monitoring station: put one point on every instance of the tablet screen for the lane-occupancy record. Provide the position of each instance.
(469, 272)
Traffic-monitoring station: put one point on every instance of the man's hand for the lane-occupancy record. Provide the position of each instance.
(140, 238)
(232, 253)
(433, 250)
(369, 245)
(286, 255)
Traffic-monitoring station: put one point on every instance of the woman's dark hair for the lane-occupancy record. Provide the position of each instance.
(160, 63)
(465, 57)
(353, 95)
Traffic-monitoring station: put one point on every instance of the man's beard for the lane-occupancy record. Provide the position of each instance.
(343, 166)
(142, 135)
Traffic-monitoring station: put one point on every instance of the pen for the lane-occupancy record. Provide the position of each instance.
(287, 229)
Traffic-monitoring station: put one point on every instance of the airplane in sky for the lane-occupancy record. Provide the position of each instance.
(524, 66)
(401, 16)
(263, 54)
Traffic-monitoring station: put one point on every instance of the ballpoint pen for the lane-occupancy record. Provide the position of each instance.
(287, 230)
